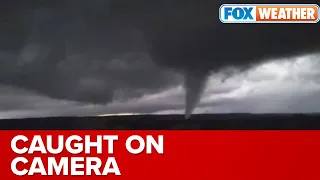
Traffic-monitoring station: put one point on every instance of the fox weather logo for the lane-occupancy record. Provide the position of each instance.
(269, 13)
(237, 13)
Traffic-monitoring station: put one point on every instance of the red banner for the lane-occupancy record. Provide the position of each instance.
(219, 155)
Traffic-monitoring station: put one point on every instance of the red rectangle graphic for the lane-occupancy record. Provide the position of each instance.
(219, 155)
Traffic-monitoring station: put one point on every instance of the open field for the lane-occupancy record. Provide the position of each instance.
(203, 121)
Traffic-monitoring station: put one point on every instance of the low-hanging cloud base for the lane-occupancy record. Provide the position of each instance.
(115, 56)
(278, 87)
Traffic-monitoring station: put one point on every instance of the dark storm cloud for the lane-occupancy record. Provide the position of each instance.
(86, 79)
(189, 37)
(63, 57)
(286, 86)
(79, 50)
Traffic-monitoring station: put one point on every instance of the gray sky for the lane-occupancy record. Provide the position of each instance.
(131, 56)
(281, 86)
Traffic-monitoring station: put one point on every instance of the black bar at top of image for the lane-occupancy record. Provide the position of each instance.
(169, 122)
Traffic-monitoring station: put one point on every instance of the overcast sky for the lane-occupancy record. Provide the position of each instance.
(282, 86)
(93, 61)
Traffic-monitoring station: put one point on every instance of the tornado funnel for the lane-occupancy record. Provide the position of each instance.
(194, 86)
